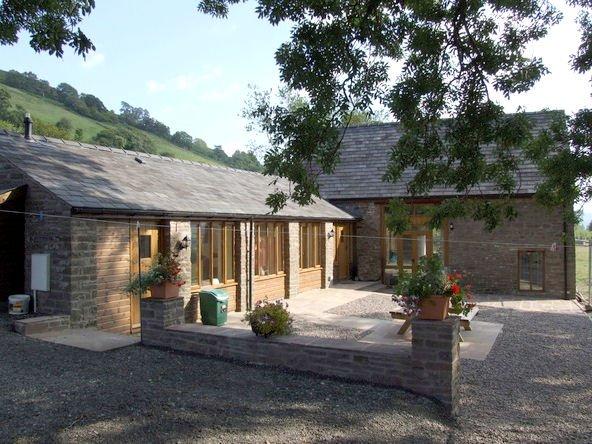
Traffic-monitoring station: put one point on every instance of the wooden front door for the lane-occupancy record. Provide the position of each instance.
(343, 251)
(143, 253)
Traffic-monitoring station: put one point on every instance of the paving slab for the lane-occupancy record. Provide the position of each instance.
(88, 339)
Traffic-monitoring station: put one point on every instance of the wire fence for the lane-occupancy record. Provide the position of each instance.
(584, 270)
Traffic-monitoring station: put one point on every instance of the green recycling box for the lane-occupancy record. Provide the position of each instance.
(213, 305)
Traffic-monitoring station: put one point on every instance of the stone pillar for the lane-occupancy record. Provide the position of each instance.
(328, 253)
(368, 243)
(242, 246)
(292, 259)
(435, 357)
(158, 314)
(178, 231)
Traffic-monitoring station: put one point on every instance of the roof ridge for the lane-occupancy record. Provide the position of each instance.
(120, 151)
(543, 111)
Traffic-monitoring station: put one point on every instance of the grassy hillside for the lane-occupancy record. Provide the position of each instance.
(51, 111)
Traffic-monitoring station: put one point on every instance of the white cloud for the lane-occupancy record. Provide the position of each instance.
(217, 95)
(185, 82)
(93, 59)
(154, 86)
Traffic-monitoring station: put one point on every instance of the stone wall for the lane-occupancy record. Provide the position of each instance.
(44, 234)
(178, 230)
(490, 259)
(292, 259)
(367, 241)
(430, 366)
(83, 272)
(328, 256)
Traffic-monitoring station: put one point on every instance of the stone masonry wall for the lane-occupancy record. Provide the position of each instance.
(83, 272)
(292, 259)
(44, 234)
(367, 240)
(430, 366)
(328, 253)
(177, 231)
(490, 259)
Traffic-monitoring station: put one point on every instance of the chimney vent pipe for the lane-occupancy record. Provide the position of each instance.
(28, 126)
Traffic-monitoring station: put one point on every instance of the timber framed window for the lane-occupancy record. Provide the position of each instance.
(269, 248)
(310, 245)
(531, 270)
(212, 253)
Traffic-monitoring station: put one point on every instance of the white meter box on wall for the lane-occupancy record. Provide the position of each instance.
(40, 266)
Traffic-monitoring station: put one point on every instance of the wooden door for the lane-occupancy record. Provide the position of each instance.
(343, 251)
(143, 252)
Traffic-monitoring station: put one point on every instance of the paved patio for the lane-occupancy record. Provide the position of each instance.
(315, 306)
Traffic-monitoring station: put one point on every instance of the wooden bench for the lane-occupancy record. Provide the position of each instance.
(465, 320)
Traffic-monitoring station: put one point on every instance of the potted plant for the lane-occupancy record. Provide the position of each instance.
(163, 278)
(270, 318)
(429, 291)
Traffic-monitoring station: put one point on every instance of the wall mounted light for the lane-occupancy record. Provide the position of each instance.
(451, 226)
(182, 244)
(331, 234)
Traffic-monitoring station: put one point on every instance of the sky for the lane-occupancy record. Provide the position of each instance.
(193, 71)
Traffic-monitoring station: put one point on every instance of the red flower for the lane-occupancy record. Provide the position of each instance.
(455, 288)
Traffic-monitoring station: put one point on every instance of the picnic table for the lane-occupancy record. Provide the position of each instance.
(465, 320)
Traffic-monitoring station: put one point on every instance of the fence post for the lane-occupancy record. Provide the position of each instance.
(589, 272)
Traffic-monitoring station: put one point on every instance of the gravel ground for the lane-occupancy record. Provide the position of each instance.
(52, 393)
(536, 383)
(535, 386)
(375, 306)
(303, 328)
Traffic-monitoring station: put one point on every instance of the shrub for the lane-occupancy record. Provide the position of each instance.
(270, 318)
(47, 129)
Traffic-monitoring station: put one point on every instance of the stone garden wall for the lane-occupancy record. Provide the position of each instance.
(429, 366)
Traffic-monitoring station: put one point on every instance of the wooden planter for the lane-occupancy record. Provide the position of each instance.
(166, 290)
(434, 308)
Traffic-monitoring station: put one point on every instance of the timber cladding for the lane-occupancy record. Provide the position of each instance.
(311, 279)
(269, 287)
(113, 273)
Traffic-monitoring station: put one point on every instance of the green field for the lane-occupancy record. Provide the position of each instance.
(51, 112)
(582, 270)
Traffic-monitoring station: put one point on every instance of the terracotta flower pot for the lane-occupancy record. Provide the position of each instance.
(434, 308)
(166, 290)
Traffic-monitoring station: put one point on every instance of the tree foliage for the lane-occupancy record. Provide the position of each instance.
(50, 24)
(435, 66)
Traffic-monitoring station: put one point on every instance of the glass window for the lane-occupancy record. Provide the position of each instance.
(531, 270)
(212, 253)
(145, 250)
(217, 252)
(310, 245)
(229, 252)
(205, 249)
(269, 249)
(194, 255)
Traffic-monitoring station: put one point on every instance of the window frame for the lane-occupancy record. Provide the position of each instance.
(196, 227)
(519, 270)
(311, 247)
(275, 239)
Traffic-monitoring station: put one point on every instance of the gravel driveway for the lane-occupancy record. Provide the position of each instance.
(536, 385)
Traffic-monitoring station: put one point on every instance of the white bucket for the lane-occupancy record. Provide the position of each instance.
(18, 304)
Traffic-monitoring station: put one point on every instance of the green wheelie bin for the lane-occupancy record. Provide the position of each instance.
(213, 305)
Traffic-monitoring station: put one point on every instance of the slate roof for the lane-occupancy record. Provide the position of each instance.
(94, 178)
(365, 153)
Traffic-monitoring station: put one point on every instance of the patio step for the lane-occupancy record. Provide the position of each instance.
(41, 324)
